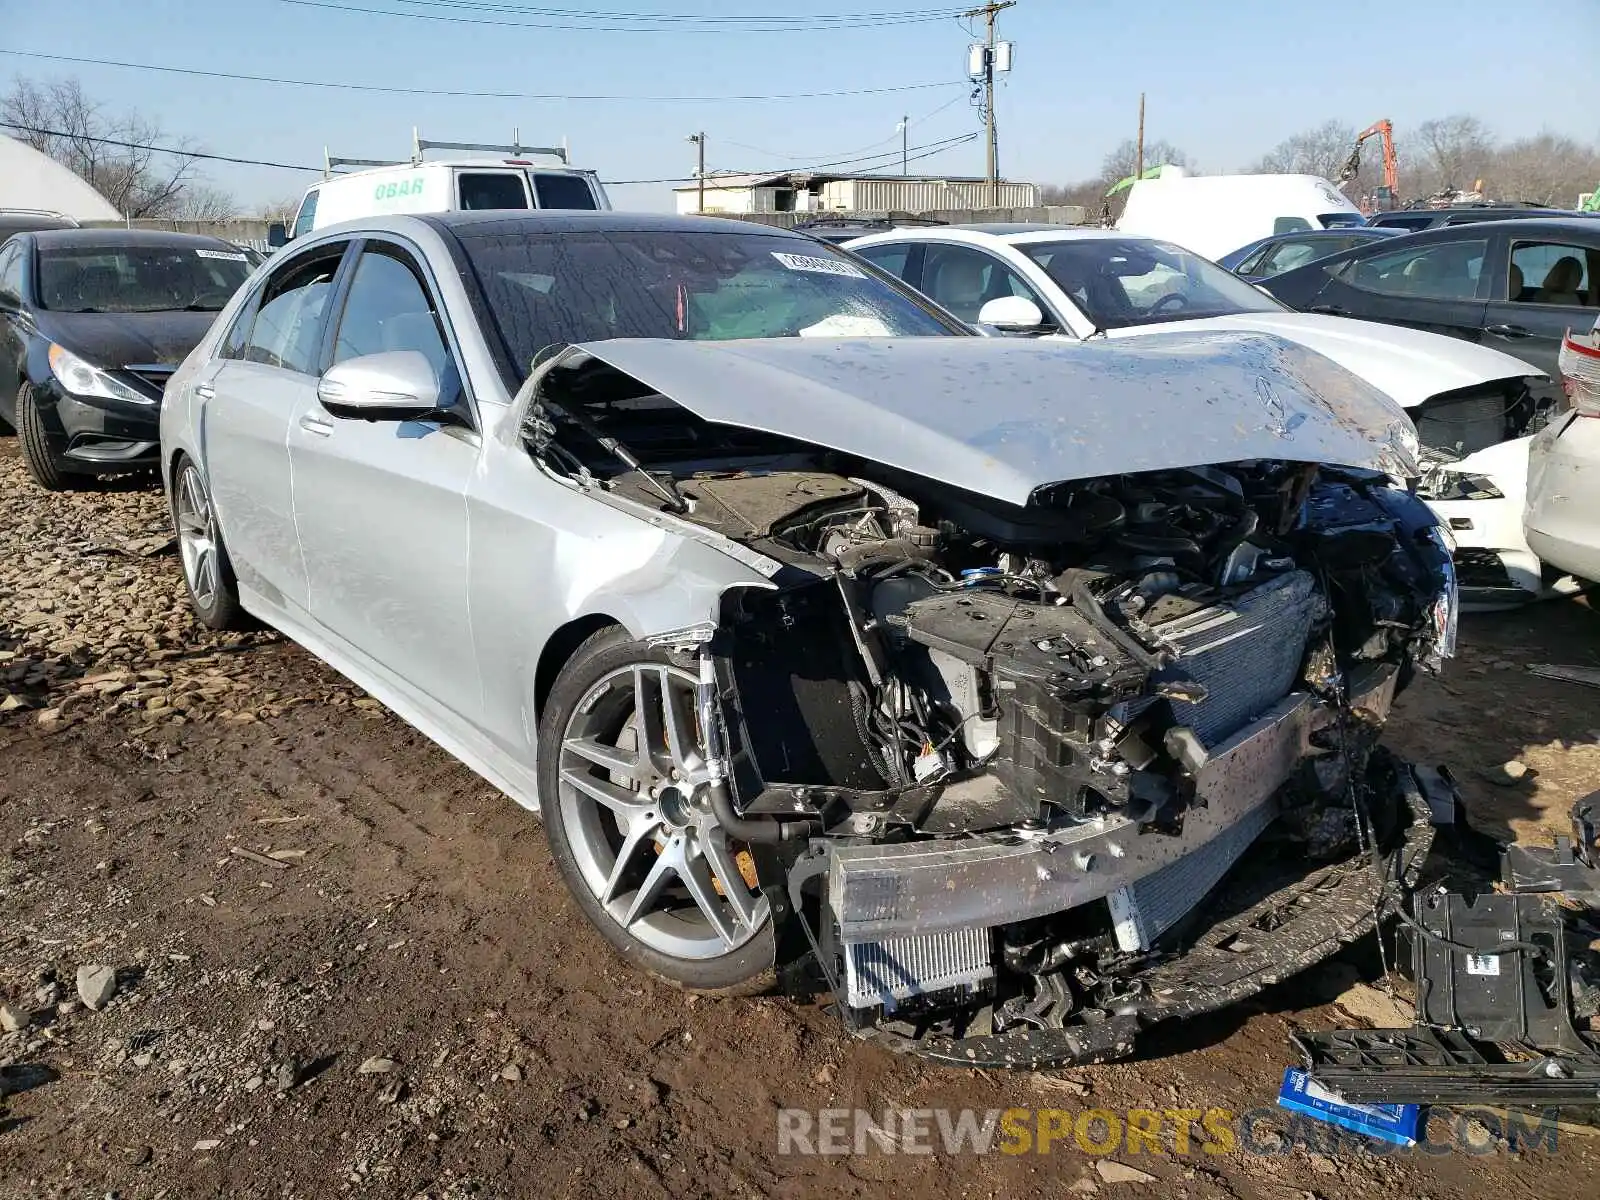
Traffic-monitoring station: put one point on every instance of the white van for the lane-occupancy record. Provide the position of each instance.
(1212, 215)
(445, 185)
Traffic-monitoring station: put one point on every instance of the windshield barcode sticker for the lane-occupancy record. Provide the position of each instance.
(819, 266)
(225, 255)
(1483, 964)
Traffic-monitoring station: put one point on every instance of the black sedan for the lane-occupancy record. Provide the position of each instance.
(1286, 251)
(92, 323)
(1516, 286)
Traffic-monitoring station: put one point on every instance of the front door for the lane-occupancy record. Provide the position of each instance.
(262, 381)
(381, 505)
(1440, 286)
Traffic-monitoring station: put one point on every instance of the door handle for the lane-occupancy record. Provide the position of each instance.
(1509, 331)
(316, 425)
(205, 391)
(1327, 310)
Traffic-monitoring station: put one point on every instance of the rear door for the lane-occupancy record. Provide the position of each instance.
(1547, 287)
(263, 381)
(1440, 285)
(381, 505)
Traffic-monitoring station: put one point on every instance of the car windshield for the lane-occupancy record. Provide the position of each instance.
(128, 279)
(1119, 283)
(554, 290)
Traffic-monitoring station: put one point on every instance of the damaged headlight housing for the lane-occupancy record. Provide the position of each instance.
(82, 379)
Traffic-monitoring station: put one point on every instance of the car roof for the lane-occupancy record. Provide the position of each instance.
(1006, 228)
(113, 235)
(1541, 227)
(981, 235)
(498, 222)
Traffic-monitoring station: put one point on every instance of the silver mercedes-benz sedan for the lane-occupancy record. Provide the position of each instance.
(1018, 695)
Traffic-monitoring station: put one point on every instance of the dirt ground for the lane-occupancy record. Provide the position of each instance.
(344, 964)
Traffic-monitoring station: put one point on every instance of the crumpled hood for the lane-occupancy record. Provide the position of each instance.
(1407, 365)
(1003, 417)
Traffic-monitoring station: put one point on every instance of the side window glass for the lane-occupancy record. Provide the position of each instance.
(963, 280)
(388, 309)
(491, 189)
(307, 215)
(1287, 257)
(11, 273)
(1550, 273)
(892, 259)
(237, 341)
(563, 191)
(1441, 271)
(288, 325)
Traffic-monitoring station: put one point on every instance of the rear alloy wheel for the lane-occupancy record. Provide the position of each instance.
(624, 787)
(42, 462)
(213, 592)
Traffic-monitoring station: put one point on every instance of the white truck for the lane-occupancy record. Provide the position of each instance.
(1212, 215)
(422, 185)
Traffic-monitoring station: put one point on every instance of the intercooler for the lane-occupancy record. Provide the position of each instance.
(1246, 654)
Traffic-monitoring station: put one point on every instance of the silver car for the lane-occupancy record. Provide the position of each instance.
(1018, 695)
(1562, 520)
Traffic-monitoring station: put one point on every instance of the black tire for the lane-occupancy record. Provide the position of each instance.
(37, 456)
(216, 606)
(745, 970)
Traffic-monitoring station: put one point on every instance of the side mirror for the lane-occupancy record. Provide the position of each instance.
(397, 385)
(1012, 314)
(277, 235)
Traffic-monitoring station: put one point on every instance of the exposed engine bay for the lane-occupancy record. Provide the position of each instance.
(998, 762)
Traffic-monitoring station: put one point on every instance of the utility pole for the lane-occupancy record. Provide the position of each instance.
(699, 139)
(989, 12)
(1138, 154)
(905, 148)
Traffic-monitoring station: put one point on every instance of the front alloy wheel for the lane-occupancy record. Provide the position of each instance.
(626, 794)
(212, 591)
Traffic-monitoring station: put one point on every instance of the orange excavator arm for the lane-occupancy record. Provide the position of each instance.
(1391, 161)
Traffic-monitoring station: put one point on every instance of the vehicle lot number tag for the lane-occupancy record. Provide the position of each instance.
(819, 266)
(225, 255)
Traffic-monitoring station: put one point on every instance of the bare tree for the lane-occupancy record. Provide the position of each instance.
(1449, 152)
(115, 154)
(1545, 169)
(1321, 151)
(201, 202)
(1123, 161)
(281, 209)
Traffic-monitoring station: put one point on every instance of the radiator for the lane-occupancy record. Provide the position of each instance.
(1143, 911)
(1246, 653)
(891, 971)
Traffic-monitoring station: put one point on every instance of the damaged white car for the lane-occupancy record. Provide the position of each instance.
(1018, 696)
(1475, 408)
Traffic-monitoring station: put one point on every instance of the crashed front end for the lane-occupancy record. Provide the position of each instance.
(1025, 775)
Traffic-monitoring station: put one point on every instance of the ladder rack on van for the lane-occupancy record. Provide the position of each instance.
(420, 146)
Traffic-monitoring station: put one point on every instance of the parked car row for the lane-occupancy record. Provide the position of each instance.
(816, 625)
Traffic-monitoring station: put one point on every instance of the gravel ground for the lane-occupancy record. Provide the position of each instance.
(336, 962)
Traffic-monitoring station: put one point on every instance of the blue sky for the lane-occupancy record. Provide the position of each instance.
(1225, 79)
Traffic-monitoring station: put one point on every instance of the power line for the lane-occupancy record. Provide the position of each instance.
(758, 20)
(936, 149)
(588, 21)
(928, 151)
(386, 89)
(102, 141)
(869, 146)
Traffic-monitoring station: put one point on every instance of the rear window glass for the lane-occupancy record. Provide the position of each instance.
(563, 191)
(1340, 220)
(492, 189)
